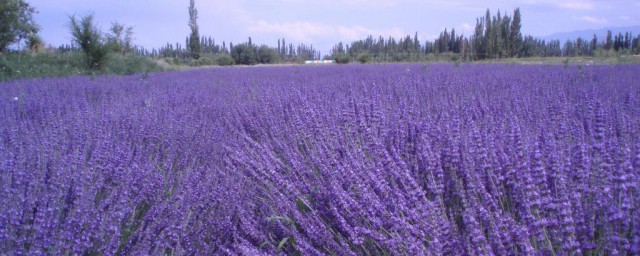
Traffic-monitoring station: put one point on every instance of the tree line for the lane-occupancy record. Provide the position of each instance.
(203, 50)
(494, 37)
(246, 53)
(17, 26)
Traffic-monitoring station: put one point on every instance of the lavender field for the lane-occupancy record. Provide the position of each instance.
(437, 159)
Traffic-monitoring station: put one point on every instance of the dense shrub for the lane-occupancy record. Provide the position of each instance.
(324, 160)
(47, 64)
(205, 61)
(130, 64)
(363, 58)
(244, 54)
(225, 60)
(342, 59)
(87, 36)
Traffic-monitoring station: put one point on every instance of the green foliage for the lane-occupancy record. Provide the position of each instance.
(342, 59)
(19, 65)
(132, 224)
(86, 35)
(302, 205)
(16, 22)
(35, 43)
(244, 54)
(193, 41)
(205, 61)
(297, 60)
(443, 57)
(283, 242)
(267, 55)
(120, 37)
(225, 60)
(495, 37)
(130, 64)
(46, 64)
(515, 36)
(172, 61)
(363, 58)
(602, 53)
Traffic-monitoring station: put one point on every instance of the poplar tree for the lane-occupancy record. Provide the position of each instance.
(488, 36)
(194, 38)
(515, 37)
(608, 42)
(478, 39)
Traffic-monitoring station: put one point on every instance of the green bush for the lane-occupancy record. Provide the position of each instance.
(225, 60)
(602, 53)
(21, 65)
(363, 58)
(47, 64)
(342, 59)
(244, 54)
(192, 62)
(267, 55)
(170, 60)
(86, 34)
(206, 61)
(129, 64)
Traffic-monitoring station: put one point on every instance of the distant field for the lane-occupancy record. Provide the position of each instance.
(391, 159)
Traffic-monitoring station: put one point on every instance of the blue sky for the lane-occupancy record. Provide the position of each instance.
(323, 23)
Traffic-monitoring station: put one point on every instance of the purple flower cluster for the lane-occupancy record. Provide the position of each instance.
(477, 159)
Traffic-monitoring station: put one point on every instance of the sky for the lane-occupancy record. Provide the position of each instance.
(323, 23)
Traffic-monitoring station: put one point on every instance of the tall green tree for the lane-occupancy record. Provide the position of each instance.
(515, 36)
(478, 39)
(635, 45)
(120, 38)
(594, 44)
(194, 37)
(16, 22)
(488, 36)
(608, 42)
(505, 32)
(86, 34)
(244, 54)
(497, 36)
(266, 55)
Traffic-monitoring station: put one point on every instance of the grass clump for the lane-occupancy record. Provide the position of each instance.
(48, 64)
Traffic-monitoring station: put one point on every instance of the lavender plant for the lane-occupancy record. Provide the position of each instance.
(486, 159)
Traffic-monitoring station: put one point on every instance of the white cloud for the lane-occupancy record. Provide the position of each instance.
(304, 31)
(430, 36)
(360, 32)
(575, 5)
(299, 30)
(376, 3)
(351, 3)
(591, 19)
(361, 3)
(467, 28)
(569, 4)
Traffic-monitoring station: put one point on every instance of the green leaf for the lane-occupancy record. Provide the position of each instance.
(282, 243)
(283, 219)
(302, 206)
